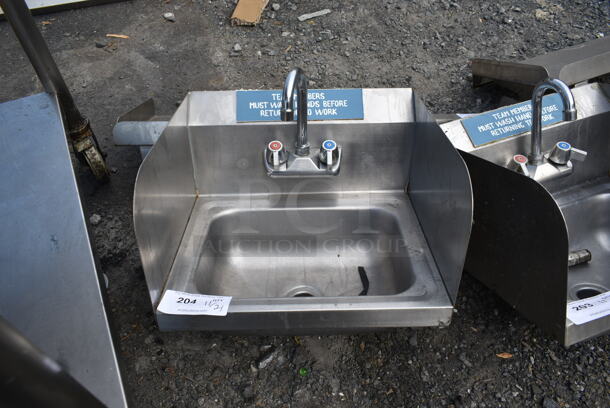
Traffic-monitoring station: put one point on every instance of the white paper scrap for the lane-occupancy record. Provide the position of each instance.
(585, 310)
(182, 303)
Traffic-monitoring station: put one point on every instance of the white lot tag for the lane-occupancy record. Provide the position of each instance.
(182, 303)
(583, 311)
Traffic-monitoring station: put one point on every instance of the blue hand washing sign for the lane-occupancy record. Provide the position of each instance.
(512, 120)
(323, 104)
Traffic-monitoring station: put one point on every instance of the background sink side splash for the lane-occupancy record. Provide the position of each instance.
(323, 104)
(512, 120)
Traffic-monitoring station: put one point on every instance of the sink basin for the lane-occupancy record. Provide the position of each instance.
(524, 230)
(382, 244)
(586, 210)
(260, 262)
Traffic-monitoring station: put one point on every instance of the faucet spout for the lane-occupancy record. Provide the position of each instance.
(569, 113)
(296, 87)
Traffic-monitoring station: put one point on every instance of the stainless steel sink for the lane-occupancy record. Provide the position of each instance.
(381, 244)
(525, 230)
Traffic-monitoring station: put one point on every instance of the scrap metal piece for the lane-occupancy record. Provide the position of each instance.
(50, 288)
(571, 65)
(78, 128)
(140, 127)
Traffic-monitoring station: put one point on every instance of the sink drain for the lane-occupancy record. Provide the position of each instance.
(585, 290)
(587, 293)
(303, 291)
(302, 294)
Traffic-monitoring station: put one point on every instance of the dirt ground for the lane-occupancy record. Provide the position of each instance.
(424, 44)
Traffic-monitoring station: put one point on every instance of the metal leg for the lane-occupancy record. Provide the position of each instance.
(79, 130)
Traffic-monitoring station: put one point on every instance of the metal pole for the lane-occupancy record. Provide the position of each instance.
(29, 378)
(79, 130)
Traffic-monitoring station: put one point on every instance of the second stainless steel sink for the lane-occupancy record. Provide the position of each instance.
(381, 244)
(544, 244)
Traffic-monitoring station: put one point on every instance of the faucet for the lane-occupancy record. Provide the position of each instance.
(569, 113)
(557, 162)
(281, 163)
(296, 83)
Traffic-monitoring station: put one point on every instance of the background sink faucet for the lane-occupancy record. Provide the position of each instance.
(557, 162)
(296, 83)
(569, 113)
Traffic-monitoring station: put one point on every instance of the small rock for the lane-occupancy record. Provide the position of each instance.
(169, 17)
(272, 53)
(309, 16)
(100, 44)
(237, 47)
(549, 403)
(95, 219)
(275, 6)
(142, 364)
(285, 33)
(464, 360)
(259, 54)
(335, 384)
(267, 359)
(248, 393)
(541, 14)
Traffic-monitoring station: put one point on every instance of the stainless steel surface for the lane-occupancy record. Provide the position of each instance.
(49, 286)
(389, 215)
(165, 198)
(569, 113)
(78, 128)
(586, 209)
(45, 6)
(30, 378)
(295, 87)
(519, 243)
(524, 230)
(571, 65)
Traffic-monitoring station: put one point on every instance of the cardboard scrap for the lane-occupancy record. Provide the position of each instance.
(248, 12)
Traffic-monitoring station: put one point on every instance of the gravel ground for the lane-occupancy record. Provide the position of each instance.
(425, 44)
